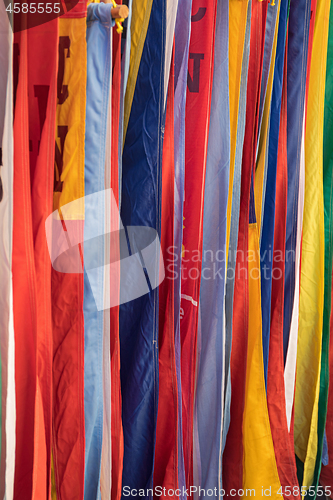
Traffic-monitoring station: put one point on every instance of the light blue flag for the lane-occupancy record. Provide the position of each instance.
(99, 25)
(210, 379)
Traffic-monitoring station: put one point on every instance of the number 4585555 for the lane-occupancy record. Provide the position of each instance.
(33, 8)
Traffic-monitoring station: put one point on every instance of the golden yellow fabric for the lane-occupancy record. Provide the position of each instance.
(53, 484)
(259, 463)
(139, 26)
(261, 158)
(312, 263)
(237, 29)
(71, 114)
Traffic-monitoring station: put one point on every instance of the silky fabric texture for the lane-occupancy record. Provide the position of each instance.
(108, 278)
(8, 410)
(268, 204)
(237, 22)
(67, 289)
(71, 91)
(5, 227)
(282, 438)
(99, 25)
(166, 448)
(117, 439)
(141, 206)
(209, 396)
(42, 93)
(328, 202)
(263, 137)
(233, 474)
(315, 351)
(298, 32)
(260, 471)
(35, 120)
(327, 470)
(182, 42)
(235, 208)
(312, 263)
(198, 102)
(140, 18)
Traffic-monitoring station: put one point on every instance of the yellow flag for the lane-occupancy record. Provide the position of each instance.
(237, 30)
(71, 112)
(312, 263)
(259, 464)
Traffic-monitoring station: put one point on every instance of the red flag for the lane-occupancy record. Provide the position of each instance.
(67, 289)
(34, 131)
(166, 449)
(117, 438)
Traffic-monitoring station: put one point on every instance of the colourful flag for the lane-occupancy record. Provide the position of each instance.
(234, 444)
(327, 470)
(298, 33)
(67, 288)
(312, 263)
(141, 206)
(182, 43)
(209, 396)
(8, 410)
(237, 100)
(166, 452)
(198, 101)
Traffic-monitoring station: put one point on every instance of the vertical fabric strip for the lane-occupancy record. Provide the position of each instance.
(98, 88)
(141, 206)
(211, 352)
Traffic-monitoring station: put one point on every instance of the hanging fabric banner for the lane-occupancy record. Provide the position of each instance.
(283, 444)
(166, 454)
(35, 105)
(234, 452)
(316, 230)
(209, 397)
(182, 42)
(141, 206)
(7, 401)
(263, 137)
(327, 470)
(238, 80)
(99, 24)
(298, 33)
(199, 87)
(117, 439)
(67, 288)
(268, 205)
(140, 17)
(312, 262)
(260, 470)
(24, 279)
(42, 94)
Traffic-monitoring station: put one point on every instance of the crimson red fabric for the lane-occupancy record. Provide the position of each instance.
(166, 449)
(34, 135)
(117, 439)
